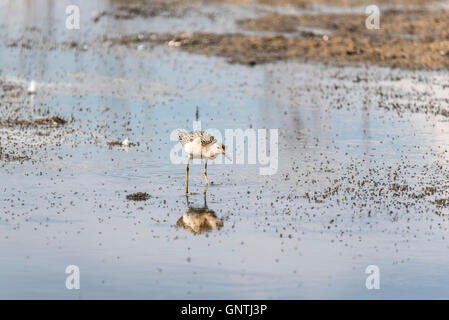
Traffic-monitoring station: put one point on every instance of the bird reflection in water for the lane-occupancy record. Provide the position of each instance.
(199, 219)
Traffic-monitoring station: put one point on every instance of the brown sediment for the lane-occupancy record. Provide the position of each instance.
(393, 23)
(411, 39)
(348, 3)
(415, 38)
(132, 39)
(176, 8)
(345, 3)
(431, 108)
(9, 90)
(444, 202)
(7, 157)
(133, 8)
(138, 196)
(121, 144)
(251, 50)
(54, 121)
(10, 157)
(115, 144)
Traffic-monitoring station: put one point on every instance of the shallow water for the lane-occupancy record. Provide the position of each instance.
(68, 206)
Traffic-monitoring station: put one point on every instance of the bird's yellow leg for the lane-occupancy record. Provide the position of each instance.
(187, 176)
(205, 173)
(187, 201)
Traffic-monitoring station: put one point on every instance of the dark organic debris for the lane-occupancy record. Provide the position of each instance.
(10, 90)
(414, 107)
(444, 202)
(10, 157)
(138, 196)
(122, 144)
(133, 9)
(54, 121)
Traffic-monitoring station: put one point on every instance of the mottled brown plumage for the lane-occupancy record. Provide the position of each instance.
(186, 137)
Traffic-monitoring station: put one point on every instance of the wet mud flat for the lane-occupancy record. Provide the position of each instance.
(138, 196)
(408, 38)
(52, 121)
(27, 126)
(363, 165)
(13, 96)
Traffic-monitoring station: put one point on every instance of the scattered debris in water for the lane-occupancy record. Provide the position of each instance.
(52, 121)
(6, 157)
(124, 143)
(442, 202)
(133, 9)
(9, 157)
(138, 196)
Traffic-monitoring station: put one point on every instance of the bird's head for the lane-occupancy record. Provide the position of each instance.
(220, 148)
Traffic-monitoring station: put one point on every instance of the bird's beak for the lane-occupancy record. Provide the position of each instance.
(228, 157)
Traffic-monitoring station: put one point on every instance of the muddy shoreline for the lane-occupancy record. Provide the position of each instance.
(407, 38)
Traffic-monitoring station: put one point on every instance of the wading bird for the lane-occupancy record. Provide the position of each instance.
(200, 145)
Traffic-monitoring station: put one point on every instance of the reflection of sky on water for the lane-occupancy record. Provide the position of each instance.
(133, 250)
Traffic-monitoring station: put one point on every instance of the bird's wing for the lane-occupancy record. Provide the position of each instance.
(184, 137)
(204, 137)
